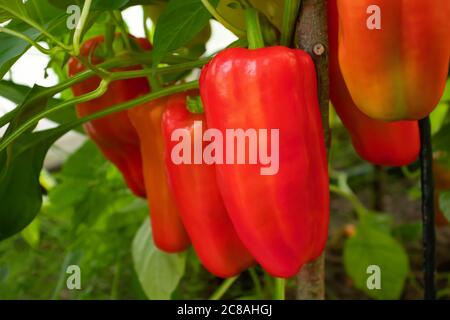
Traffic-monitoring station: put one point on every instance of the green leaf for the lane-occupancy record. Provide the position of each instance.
(441, 139)
(67, 194)
(96, 4)
(383, 222)
(14, 92)
(20, 191)
(3, 273)
(85, 163)
(20, 166)
(31, 233)
(109, 4)
(437, 117)
(13, 48)
(17, 93)
(42, 11)
(179, 23)
(35, 101)
(408, 231)
(4, 16)
(159, 273)
(446, 95)
(444, 204)
(35, 11)
(145, 2)
(13, 8)
(234, 5)
(372, 246)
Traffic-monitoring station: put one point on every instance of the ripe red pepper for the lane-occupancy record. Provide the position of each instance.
(379, 142)
(113, 134)
(283, 218)
(197, 195)
(168, 231)
(397, 72)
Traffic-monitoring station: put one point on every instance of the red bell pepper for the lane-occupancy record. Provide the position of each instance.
(197, 195)
(281, 218)
(379, 142)
(113, 134)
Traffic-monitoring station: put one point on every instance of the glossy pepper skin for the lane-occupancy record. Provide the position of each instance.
(113, 134)
(197, 195)
(282, 219)
(379, 142)
(398, 72)
(168, 231)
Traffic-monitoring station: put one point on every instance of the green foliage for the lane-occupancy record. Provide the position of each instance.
(93, 229)
(25, 17)
(374, 245)
(21, 163)
(179, 23)
(31, 234)
(159, 273)
(444, 204)
(438, 117)
(12, 48)
(101, 5)
(20, 191)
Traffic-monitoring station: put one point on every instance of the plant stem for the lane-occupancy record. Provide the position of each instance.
(99, 91)
(240, 33)
(312, 34)
(429, 232)
(121, 75)
(226, 284)
(164, 70)
(29, 40)
(256, 282)
(120, 61)
(279, 291)
(254, 34)
(38, 27)
(80, 27)
(116, 280)
(411, 175)
(378, 188)
(92, 95)
(290, 13)
(350, 196)
(117, 16)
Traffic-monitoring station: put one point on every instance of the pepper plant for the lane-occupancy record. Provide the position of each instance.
(129, 96)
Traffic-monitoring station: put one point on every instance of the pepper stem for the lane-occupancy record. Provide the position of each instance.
(254, 34)
(291, 8)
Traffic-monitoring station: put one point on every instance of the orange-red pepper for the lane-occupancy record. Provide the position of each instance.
(394, 55)
(168, 231)
(282, 218)
(197, 195)
(379, 142)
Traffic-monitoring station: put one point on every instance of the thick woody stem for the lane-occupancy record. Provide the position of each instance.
(311, 36)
